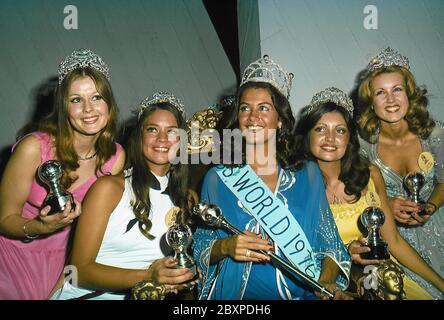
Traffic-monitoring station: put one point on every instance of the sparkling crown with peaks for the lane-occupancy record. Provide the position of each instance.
(265, 70)
(160, 97)
(82, 58)
(333, 95)
(386, 58)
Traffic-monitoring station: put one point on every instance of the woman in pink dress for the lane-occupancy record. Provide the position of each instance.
(79, 133)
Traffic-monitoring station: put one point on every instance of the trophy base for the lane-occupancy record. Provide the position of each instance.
(378, 252)
(58, 204)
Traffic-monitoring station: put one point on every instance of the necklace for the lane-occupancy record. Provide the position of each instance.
(88, 158)
(332, 193)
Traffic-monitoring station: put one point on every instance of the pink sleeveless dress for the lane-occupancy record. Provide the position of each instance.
(30, 270)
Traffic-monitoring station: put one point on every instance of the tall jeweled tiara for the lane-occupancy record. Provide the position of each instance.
(159, 97)
(82, 58)
(386, 58)
(331, 94)
(266, 70)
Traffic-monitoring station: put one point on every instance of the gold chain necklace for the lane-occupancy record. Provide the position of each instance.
(336, 200)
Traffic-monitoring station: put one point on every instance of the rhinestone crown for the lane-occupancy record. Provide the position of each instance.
(82, 58)
(160, 97)
(331, 94)
(386, 58)
(266, 70)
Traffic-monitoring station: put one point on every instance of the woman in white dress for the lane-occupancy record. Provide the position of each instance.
(119, 241)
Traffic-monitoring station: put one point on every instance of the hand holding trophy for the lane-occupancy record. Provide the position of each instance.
(213, 216)
(383, 281)
(178, 237)
(50, 172)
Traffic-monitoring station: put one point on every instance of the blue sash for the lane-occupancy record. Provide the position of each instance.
(272, 215)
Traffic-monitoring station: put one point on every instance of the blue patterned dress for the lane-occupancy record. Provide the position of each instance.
(427, 239)
(303, 193)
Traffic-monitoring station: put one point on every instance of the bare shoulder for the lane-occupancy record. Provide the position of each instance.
(109, 184)
(106, 192)
(374, 170)
(119, 164)
(377, 178)
(25, 159)
(28, 147)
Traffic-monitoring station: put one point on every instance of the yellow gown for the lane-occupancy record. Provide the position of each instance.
(346, 216)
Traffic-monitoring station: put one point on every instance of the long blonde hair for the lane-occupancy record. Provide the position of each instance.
(417, 116)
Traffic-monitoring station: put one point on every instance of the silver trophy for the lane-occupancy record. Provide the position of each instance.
(212, 215)
(179, 238)
(373, 218)
(413, 182)
(50, 173)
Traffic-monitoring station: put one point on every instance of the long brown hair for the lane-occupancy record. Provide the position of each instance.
(355, 171)
(417, 116)
(142, 178)
(58, 126)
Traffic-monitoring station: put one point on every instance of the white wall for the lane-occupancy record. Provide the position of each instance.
(324, 42)
(149, 45)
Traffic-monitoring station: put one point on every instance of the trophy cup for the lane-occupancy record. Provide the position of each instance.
(179, 237)
(412, 183)
(373, 218)
(50, 173)
(212, 215)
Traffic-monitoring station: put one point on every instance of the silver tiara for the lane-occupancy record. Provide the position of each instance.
(82, 58)
(386, 58)
(265, 70)
(331, 94)
(160, 97)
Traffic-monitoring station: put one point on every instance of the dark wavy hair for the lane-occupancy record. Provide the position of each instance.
(417, 116)
(143, 178)
(355, 172)
(58, 126)
(285, 135)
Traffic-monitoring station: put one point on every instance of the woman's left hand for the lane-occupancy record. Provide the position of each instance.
(333, 288)
(418, 220)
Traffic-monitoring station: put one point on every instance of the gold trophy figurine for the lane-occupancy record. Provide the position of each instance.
(200, 129)
(386, 283)
(148, 290)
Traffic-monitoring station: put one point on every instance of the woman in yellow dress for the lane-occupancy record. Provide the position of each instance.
(326, 133)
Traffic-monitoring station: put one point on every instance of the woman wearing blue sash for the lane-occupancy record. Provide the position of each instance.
(280, 208)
